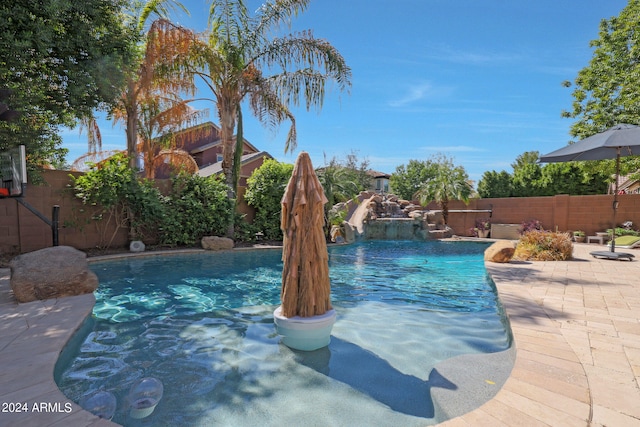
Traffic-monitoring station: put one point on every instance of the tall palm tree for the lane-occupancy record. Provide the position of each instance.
(241, 59)
(154, 72)
(449, 183)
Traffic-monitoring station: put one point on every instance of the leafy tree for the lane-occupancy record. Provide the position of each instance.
(60, 60)
(265, 188)
(406, 181)
(574, 178)
(525, 181)
(524, 159)
(449, 183)
(495, 184)
(358, 171)
(607, 91)
(239, 58)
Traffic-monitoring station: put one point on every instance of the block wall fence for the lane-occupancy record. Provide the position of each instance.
(21, 231)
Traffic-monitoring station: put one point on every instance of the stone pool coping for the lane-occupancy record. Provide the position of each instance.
(576, 327)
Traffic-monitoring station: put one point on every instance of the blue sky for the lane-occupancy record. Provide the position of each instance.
(478, 81)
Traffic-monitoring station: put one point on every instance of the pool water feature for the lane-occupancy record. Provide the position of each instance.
(202, 324)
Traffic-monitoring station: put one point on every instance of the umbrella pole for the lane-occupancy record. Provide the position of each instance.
(615, 201)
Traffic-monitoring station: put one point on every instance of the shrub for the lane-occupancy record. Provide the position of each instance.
(196, 207)
(538, 245)
(112, 194)
(265, 188)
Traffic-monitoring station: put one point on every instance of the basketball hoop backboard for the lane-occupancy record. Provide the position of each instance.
(13, 171)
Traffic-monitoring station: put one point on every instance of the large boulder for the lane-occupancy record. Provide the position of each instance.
(60, 271)
(501, 251)
(215, 243)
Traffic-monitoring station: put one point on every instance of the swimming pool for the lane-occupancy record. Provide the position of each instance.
(202, 324)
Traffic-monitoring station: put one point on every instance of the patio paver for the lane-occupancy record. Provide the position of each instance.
(576, 329)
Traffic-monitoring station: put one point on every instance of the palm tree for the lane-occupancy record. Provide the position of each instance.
(240, 59)
(154, 73)
(449, 183)
(159, 118)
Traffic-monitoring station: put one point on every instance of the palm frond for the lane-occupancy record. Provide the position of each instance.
(161, 8)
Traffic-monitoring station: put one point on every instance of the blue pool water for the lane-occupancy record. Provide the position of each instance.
(202, 324)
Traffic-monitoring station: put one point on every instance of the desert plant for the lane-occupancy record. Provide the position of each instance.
(540, 245)
(530, 225)
(578, 233)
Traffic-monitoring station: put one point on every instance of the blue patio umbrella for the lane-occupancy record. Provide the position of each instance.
(617, 141)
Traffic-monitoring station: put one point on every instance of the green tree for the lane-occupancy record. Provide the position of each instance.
(526, 175)
(406, 181)
(265, 188)
(495, 184)
(60, 60)
(450, 182)
(240, 58)
(607, 91)
(576, 178)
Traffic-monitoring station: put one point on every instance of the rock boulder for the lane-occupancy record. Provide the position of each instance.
(55, 272)
(215, 243)
(501, 251)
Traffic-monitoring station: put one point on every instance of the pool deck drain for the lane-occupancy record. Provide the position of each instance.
(576, 328)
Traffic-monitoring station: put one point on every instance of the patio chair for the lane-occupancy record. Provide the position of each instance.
(627, 242)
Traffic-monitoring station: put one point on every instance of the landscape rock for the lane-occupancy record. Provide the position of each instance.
(501, 251)
(137, 246)
(215, 243)
(55, 272)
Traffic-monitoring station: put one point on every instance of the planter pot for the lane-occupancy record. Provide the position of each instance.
(305, 333)
(483, 233)
(579, 239)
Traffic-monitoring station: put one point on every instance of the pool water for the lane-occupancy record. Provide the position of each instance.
(202, 324)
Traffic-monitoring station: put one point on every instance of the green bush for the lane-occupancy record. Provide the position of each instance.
(113, 195)
(265, 188)
(539, 245)
(196, 207)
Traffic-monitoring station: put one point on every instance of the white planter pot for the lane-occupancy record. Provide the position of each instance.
(304, 333)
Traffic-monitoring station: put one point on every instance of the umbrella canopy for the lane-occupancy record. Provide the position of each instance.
(617, 141)
(622, 140)
(305, 274)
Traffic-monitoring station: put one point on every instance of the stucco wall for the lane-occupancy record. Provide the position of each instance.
(561, 212)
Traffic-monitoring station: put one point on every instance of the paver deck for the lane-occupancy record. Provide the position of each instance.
(576, 327)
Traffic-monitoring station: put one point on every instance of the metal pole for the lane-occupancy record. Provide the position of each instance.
(54, 224)
(615, 202)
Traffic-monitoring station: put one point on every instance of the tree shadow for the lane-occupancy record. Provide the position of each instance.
(366, 372)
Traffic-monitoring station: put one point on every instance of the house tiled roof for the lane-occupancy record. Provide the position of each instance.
(376, 174)
(216, 168)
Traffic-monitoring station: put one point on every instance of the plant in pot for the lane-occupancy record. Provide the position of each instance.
(482, 228)
(578, 236)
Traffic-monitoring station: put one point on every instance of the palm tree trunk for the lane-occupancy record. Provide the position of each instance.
(227, 112)
(131, 108)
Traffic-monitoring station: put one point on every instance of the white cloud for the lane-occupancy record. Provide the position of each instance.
(419, 92)
(453, 148)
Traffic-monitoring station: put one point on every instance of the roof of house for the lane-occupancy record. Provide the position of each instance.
(216, 168)
(212, 143)
(376, 174)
